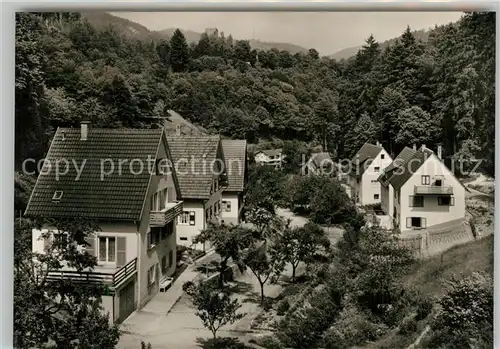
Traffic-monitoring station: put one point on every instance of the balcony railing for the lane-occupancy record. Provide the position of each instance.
(111, 279)
(162, 218)
(433, 190)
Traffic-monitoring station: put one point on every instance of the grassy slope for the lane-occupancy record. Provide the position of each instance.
(430, 277)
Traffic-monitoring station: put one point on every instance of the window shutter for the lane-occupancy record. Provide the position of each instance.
(408, 222)
(452, 201)
(191, 218)
(121, 253)
(90, 240)
(424, 222)
(162, 199)
(170, 194)
(412, 200)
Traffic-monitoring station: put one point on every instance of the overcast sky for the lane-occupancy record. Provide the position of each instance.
(328, 32)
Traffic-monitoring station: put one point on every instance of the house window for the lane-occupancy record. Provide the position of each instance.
(184, 218)
(218, 204)
(170, 258)
(159, 200)
(376, 196)
(107, 249)
(377, 169)
(183, 238)
(446, 201)
(226, 205)
(426, 180)
(166, 230)
(416, 222)
(382, 156)
(153, 237)
(57, 195)
(210, 211)
(191, 218)
(152, 275)
(438, 182)
(416, 201)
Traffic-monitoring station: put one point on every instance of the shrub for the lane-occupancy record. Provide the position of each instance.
(269, 342)
(189, 287)
(408, 326)
(424, 308)
(350, 329)
(282, 307)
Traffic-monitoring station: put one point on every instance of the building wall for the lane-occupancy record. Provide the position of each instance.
(186, 232)
(434, 213)
(128, 230)
(149, 257)
(370, 186)
(233, 215)
(387, 199)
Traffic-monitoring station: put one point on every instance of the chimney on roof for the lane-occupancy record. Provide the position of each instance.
(178, 130)
(84, 130)
(378, 144)
(414, 147)
(63, 136)
(440, 152)
(423, 147)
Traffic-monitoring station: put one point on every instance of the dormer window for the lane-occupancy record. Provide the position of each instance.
(57, 195)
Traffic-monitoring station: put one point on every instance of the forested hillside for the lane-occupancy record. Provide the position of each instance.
(349, 52)
(436, 92)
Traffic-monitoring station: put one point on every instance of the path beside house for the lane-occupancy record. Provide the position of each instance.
(180, 328)
(169, 321)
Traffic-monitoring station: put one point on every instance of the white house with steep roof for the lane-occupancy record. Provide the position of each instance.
(136, 212)
(425, 193)
(366, 167)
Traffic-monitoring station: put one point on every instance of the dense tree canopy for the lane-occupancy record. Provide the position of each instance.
(67, 70)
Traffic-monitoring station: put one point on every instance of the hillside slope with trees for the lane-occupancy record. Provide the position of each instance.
(436, 92)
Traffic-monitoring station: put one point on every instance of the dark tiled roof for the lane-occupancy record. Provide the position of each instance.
(193, 157)
(367, 152)
(405, 171)
(399, 161)
(235, 153)
(271, 152)
(118, 196)
(321, 159)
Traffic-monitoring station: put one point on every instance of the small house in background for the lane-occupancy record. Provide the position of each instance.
(201, 172)
(270, 157)
(425, 193)
(135, 210)
(365, 168)
(235, 155)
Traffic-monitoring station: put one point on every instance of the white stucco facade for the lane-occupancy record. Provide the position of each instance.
(433, 211)
(368, 187)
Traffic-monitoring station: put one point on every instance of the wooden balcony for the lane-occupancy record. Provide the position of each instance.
(433, 190)
(162, 218)
(111, 278)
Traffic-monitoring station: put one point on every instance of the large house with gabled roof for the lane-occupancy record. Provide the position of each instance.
(366, 167)
(114, 179)
(420, 192)
(201, 173)
(235, 155)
